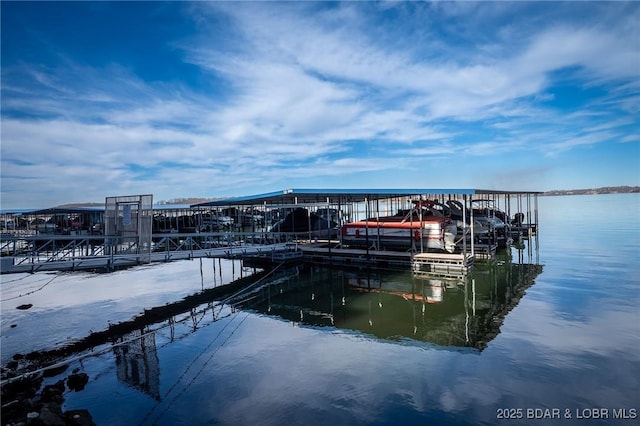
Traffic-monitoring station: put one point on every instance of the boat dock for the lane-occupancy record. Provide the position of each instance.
(439, 231)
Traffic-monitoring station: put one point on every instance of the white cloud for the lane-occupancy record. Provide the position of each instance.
(295, 86)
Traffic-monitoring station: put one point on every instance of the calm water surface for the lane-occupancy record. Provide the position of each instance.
(554, 329)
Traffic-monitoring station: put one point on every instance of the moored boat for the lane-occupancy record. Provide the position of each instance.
(303, 223)
(493, 221)
(417, 229)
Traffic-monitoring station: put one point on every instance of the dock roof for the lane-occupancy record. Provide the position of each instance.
(335, 196)
(83, 209)
(63, 210)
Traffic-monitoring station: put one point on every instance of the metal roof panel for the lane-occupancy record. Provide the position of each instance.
(335, 195)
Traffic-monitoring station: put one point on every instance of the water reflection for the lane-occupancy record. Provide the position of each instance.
(137, 363)
(398, 306)
(393, 306)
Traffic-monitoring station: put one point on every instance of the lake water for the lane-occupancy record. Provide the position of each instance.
(554, 331)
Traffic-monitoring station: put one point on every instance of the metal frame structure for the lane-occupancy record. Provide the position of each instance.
(128, 230)
(128, 222)
(361, 203)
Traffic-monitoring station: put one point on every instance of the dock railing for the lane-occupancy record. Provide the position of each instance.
(30, 253)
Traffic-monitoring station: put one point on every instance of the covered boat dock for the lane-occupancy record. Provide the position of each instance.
(320, 225)
(317, 219)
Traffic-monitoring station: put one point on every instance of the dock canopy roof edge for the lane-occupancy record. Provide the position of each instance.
(67, 210)
(333, 196)
(84, 209)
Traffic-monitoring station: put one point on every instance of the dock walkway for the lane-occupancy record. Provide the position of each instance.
(13, 265)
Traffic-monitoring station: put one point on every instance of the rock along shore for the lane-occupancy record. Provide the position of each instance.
(26, 402)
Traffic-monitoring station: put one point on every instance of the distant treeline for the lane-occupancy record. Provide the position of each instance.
(591, 191)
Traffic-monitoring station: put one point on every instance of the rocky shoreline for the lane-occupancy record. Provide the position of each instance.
(25, 401)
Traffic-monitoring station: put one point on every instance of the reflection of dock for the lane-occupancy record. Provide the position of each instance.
(137, 363)
(148, 318)
(464, 312)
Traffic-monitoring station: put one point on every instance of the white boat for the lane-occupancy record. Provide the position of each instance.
(414, 229)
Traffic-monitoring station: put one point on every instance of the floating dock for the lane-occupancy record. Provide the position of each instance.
(129, 237)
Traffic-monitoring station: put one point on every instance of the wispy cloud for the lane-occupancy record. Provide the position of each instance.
(284, 90)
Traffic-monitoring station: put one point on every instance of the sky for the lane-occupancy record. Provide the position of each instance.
(217, 99)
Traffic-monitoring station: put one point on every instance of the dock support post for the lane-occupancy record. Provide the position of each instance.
(366, 228)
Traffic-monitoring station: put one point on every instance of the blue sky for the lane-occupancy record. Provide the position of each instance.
(212, 99)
